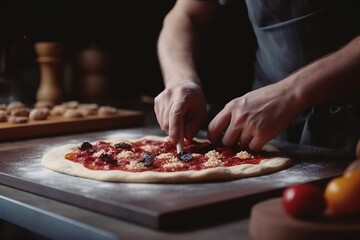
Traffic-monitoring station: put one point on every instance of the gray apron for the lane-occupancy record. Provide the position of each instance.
(293, 33)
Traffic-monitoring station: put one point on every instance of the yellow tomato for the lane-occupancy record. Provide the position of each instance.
(342, 194)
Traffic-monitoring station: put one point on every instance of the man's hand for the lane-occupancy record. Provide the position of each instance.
(255, 118)
(181, 102)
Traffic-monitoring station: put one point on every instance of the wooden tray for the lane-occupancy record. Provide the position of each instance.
(268, 221)
(60, 125)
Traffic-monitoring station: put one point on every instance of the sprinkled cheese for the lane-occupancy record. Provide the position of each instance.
(173, 164)
(213, 153)
(98, 153)
(149, 148)
(135, 165)
(213, 162)
(125, 154)
(244, 155)
(166, 156)
(196, 155)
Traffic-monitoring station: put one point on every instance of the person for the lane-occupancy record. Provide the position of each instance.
(306, 82)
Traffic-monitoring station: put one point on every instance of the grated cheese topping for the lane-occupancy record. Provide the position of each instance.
(149, 148)
(214, 154)
(135, 165)
(173, 164)
(244, 155)
(213, 162)
(125, 154)
(98, 153)
(166, 156)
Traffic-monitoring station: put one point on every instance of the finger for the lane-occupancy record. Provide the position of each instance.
(256, 143)
(164, 120)
(160, 113)
(193, 121)
(157, 109)
(174, 129)
(231, 136)
(246, 136)
(190, 129)
(232, 133)
(218, 126)
(175, 121)
(159, 118)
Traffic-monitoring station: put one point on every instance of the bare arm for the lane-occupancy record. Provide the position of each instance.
(332, 77)
(179, 39)
(258, 116)
(178, 48)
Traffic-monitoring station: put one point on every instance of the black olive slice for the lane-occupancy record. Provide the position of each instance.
(147, 159)
(86, 146)
(107, 158)
(123, 145)
(184, 156)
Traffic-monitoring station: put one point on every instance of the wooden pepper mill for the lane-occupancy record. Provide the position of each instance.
(94, 62)
(51, 63)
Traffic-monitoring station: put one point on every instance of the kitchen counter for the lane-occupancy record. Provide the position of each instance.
(58, 206)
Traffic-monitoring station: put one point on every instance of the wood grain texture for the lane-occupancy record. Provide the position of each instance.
(60, 125)
(268, 221)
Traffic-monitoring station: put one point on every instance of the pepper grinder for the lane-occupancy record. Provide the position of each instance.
(51, 63)
(94, 62)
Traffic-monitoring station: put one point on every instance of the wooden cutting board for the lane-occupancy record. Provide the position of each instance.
(268, 221)
(61, 125)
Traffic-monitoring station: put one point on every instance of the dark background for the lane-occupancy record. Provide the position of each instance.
(128, 31)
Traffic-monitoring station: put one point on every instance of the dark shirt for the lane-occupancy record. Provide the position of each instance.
(293, 33)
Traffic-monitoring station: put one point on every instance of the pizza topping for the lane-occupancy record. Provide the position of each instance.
(125, 154)
(213, 153)
(98, 153)
(184, 156)
(123, 145)
(106, 157)
(86, 146)
(173, 164)
(166, 156)
(244, 155)
(149, 148)
(213, 162)
(147, 160)
(158, 155)
(135, 165)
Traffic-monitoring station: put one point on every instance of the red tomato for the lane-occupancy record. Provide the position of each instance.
(303, 201)
(342, 194)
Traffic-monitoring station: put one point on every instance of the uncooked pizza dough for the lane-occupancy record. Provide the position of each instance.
(55, 160)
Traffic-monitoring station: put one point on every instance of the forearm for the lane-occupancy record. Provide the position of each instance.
(332, 77)
(177, 52)
(178, 44)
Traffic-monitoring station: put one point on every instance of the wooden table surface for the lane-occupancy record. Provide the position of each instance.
(52, 218)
